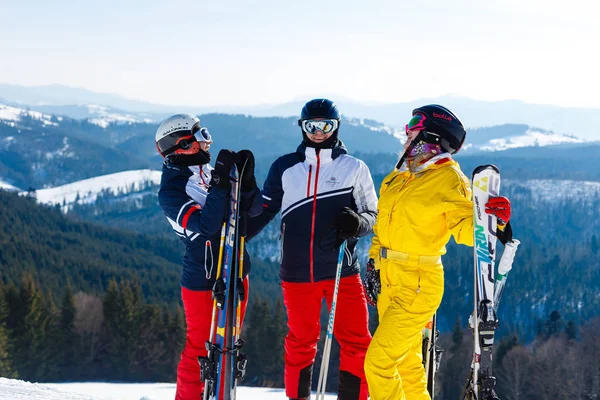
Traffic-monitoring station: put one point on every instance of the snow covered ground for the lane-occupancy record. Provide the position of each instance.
(87, 190)
(11, 389)
(8, 186)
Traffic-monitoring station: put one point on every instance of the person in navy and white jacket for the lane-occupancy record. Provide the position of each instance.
(195, 199)
(325, 196)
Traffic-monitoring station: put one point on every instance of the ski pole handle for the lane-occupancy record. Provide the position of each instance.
(508, 257)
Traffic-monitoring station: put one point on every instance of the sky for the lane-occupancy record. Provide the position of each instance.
(235, 52)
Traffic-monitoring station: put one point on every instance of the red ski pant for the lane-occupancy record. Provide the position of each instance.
(303, 303)
(197, 306)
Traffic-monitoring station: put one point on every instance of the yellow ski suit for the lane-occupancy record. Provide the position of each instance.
(418, 211)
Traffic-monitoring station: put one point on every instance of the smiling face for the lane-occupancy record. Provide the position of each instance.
(319, 136)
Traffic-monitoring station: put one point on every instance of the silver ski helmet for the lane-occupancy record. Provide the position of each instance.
(179, 134)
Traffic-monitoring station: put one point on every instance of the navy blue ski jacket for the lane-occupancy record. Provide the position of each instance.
(311, 188)
(196, 214)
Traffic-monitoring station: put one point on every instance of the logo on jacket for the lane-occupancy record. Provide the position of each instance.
(332, 182)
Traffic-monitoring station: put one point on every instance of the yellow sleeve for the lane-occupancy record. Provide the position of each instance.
(375, 245)
(458, 209)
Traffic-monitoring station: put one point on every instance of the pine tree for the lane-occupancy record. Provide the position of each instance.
(6, 368)
(571, 331)
(455, 366)
(68, 337)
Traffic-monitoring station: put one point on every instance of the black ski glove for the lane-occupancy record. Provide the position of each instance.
(372, 284)
(223, 165)
(505, 235)
(347, 224)
(248, 180)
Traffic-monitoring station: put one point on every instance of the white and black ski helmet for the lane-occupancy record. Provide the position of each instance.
(177, 134)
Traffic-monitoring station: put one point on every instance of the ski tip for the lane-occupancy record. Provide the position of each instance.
(484, 167)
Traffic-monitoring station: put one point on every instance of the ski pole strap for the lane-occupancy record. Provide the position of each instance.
(410, 259)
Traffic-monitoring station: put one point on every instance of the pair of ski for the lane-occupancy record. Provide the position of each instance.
(225, 363)
(488, 289)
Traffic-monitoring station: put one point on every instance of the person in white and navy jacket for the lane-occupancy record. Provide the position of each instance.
(195, 198)
(325, 196)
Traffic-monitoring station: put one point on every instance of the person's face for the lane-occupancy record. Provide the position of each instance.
(410, 135)
(205, 146)
(319, 136)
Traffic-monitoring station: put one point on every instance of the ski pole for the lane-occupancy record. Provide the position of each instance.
(214, 308)
(240, 296)
(504, 268)
(329, 336)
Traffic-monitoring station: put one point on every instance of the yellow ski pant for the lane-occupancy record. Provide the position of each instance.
(411, 291)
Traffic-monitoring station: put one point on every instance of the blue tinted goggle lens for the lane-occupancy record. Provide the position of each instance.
(203, 135)
(312, 126)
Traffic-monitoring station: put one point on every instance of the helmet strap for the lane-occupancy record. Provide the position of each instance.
(412, 144)
(200, 158)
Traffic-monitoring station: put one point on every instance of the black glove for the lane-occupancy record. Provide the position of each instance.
(505, 235)
(347, 223)
(372, 283)
(248, 180)
(223, 165)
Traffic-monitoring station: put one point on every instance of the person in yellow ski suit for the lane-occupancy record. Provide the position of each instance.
(423, 201)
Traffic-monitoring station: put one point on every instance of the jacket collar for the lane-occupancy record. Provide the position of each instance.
(433, 162)
(309, 154)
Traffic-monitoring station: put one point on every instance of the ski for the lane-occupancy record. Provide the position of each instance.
(219, 368)
(432, 353)
(481, 382)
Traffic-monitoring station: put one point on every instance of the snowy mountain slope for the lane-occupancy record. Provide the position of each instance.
(11, 389)
(99, 115)
(86, 191)
(104, 116)
(14, 114)
(8, 186)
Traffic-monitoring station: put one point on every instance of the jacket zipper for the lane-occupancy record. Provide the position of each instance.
(314, 215)
(308, 185)
(282, 237)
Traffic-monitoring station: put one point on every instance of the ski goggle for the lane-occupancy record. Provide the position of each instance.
(201, 134)
(416, 123)
(312, 126)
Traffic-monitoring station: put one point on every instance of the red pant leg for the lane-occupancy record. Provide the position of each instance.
(303, 305)
(197, 306)
(351, 330)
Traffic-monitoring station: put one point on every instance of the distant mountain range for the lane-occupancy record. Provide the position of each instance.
(40, 150)
(83, 103)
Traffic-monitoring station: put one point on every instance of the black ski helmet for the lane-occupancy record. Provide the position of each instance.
(445, 123)
(320, 108)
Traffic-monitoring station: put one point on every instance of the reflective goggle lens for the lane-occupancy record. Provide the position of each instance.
(326, 126)
(203, 135)
(416, 123)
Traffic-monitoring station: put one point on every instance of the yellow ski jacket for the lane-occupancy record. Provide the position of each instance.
(418, 211)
